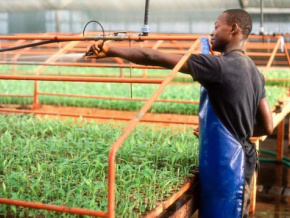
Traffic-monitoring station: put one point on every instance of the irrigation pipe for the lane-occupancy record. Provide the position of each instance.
(285, 160)
(52, 207)
(272, 56)
(81, 79)
(118, 143)
(79, 64)
(56, 39)
(264, 159)
(112, 98)
(94, 38)
(43, 113)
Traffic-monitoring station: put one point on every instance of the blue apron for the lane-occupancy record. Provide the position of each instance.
(221, 163)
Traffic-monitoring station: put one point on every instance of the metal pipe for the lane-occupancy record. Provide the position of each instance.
(261, 18)
(145, 28)
(57, 20)
(117, 98)
(81, 79)
(27, 45)
(52, 207)
(80, 64)
(59, 38)
(182, 122)
(118, 143)
(287, 54)
(274, 53)
(94, 38)
(53, 39)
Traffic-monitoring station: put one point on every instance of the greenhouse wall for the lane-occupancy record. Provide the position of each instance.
(171, 16)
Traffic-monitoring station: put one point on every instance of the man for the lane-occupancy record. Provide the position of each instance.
(233, 108)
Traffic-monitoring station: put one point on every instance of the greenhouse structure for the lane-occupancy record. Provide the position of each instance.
(122, 108)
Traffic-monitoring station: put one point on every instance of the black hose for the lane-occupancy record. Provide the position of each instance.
(94, 21)
(48, 41)
(28, 45)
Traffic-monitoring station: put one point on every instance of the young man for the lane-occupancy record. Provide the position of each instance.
(233, 108)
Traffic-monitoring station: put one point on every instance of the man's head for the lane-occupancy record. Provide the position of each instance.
(240, 17)
(231, 25)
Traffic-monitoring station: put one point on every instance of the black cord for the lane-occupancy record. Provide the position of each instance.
(94, 21)
(49, 41)
(28, 45)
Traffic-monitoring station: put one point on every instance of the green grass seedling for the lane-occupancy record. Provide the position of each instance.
(66, 163)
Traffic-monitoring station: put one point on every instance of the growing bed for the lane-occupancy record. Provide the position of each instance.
(175, 91)
(66, 163)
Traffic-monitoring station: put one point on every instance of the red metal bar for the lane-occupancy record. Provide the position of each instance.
(81, 64)
(287, 54)
(263, 54)
(262, 37)
(280, 141)
(52, 207)
(81, 38)
(272, 56)
(81, 79)
(36, 103)
(119, 98)
(98, 116)
(23, 96)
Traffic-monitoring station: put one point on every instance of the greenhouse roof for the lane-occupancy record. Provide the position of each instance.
(131, 5)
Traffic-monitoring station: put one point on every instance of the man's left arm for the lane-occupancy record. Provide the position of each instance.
(264, 120)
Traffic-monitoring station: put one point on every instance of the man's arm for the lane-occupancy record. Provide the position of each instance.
(144, 56)
(264, 120)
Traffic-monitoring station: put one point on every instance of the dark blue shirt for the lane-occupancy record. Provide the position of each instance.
(235, 87)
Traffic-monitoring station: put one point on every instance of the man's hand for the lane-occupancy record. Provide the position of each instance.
(196, 132)
(98, 50)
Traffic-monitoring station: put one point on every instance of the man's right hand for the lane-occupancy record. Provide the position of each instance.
(98, 50)
(196, 132)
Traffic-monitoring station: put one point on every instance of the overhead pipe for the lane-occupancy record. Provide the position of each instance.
(71, 210)
(55, 39)
(261, 18)
(82, 79)
(99, 116)
(108, 98)
(145, 28)
(70, 64)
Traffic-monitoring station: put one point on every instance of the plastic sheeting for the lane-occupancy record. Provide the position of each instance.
(266, 3)
(123, 5)
(131, 5)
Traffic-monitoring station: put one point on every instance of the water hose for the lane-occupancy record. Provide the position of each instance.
(51, 40)
(29, 45)
(285, 160)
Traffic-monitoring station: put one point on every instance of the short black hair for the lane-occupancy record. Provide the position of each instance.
(242, 18)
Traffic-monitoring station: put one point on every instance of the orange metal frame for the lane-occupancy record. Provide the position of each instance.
(172, 46)
(118, 142)
(160, 45)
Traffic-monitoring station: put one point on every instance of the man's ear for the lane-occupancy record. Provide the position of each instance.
(235, 28)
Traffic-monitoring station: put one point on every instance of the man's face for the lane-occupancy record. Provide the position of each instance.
(220, 36)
